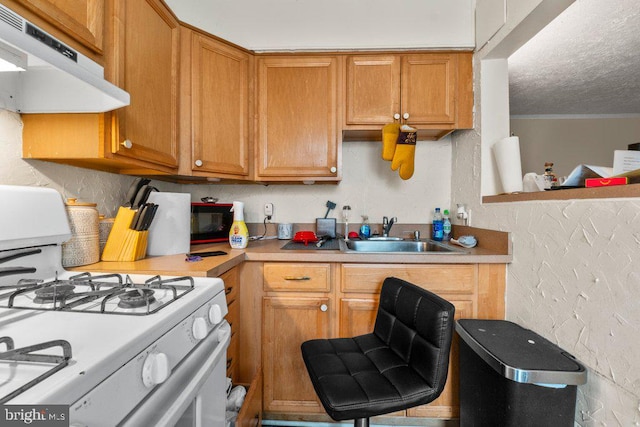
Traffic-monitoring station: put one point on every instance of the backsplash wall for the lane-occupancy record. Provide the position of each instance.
(368, 185)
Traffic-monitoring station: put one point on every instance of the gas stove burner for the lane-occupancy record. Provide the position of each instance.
(52, 293)
(136, 298)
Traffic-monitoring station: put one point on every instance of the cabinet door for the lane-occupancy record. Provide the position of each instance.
(144, 62)
(372, 89)
(220, 107)
(429, 88)
(297, 119)
(83, 20)
(357, 316)
(288, 322)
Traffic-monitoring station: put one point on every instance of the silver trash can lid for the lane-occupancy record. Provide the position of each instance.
(520, 354)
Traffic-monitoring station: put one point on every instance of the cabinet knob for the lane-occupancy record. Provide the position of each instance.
(324, 307)
(396, 116)
(333, 169)
(198, 162)
(405, 116)
(127, 143)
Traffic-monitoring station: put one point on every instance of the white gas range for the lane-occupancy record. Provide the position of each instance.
(117, 349)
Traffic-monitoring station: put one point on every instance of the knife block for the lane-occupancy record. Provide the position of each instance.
(123, 243)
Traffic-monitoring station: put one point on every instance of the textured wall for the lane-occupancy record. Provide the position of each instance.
(575, 279)
(575, 275)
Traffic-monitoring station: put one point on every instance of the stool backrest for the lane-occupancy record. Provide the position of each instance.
(418, 325)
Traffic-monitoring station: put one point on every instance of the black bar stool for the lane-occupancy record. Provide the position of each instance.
(403, 363)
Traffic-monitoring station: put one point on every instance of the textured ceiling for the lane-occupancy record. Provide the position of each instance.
(587, 61)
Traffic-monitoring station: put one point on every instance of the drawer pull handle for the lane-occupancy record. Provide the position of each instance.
(324, 307)
(297, 278)
(229, 362)
(228, 290)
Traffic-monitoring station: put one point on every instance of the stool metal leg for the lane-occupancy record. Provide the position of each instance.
(361, 422)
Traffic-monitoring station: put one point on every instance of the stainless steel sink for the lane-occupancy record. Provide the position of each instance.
(421, 246)
(382, 238)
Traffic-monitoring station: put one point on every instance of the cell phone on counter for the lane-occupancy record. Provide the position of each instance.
(197, 256)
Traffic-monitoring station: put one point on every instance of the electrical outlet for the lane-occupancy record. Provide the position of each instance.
(268, 210)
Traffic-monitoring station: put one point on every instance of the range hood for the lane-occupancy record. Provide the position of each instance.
(56, 78)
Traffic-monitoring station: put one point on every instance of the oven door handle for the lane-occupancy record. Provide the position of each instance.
(169, 400)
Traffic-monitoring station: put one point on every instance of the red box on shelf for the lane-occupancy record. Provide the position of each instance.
(605, 182)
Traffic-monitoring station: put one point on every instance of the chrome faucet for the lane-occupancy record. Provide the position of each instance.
(387, 224)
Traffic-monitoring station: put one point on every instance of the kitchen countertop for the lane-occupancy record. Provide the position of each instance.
(494, 247)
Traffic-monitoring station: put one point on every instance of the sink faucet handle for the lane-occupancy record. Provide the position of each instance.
(416, 235)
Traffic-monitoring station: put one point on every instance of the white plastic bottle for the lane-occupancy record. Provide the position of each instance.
(239, 234)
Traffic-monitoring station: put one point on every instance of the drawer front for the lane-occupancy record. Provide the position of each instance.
(368, 278)
(230, 279)
(297, 277)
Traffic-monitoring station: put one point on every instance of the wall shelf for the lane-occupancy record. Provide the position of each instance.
(614, 192)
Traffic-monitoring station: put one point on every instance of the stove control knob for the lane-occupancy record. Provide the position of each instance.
(215, 314)
(199, 328)
(155, 369)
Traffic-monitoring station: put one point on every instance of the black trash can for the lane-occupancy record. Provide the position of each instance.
(513, 377)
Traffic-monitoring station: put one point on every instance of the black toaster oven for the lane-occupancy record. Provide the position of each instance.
(210, 222)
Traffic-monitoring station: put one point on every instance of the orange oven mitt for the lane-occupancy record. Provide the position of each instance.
(403, 157)
(389, 137)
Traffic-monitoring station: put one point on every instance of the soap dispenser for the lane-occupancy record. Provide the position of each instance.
(365, 229)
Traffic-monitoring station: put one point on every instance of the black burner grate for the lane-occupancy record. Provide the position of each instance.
(77, 292)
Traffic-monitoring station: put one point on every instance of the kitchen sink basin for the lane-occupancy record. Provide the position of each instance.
(420, 246)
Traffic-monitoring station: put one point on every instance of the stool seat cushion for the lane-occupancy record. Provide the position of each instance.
(402, 364)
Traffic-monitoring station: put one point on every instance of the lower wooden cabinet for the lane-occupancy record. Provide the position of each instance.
(297, 306)
(323, 300)
(288, 322)
(361, 285)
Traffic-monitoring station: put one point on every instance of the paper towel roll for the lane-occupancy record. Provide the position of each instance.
(507, 155)
(170, 231)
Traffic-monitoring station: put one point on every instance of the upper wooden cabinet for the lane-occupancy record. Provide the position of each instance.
(297, 133)
(430, 91)
(141, 56)
(80, 21)
(216, 85)
(143, 59)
